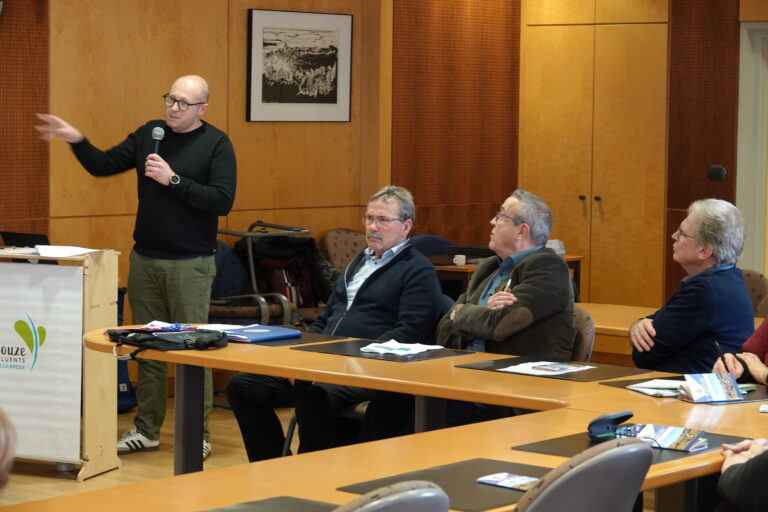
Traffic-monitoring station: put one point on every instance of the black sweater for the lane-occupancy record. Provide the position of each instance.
(181, 221)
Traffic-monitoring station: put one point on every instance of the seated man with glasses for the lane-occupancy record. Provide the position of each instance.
(711, 312)
(519, 301)
(388, 291)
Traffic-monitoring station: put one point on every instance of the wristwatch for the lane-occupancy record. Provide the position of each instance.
(175, 179)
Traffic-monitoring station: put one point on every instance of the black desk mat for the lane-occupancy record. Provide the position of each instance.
(568, 446)
(352, 348)
(279, 504)
(458, 482)
(758, 395)
(306, 337)
(601, 372)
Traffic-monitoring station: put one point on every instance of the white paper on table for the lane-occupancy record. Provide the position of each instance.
(545, 368)
(61, 251)
(402, 349)
(658, 387)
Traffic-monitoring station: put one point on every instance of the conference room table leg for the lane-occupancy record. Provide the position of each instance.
(429, 413)
(188, 428)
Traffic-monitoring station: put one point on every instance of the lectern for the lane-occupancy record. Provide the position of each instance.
(62, 399)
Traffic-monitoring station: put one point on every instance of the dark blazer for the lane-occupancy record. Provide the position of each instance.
(539, 324)
(399, 301)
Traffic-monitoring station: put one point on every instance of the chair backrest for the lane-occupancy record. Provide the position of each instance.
(431, 245)
(231, 273)
(7, 447)
(411, 496)
(585, 335)
(757, 286)
(603, 478)
(341, 245)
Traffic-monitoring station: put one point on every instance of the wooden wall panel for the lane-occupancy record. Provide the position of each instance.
(557, 70)
(703, 96)
(632, 11)
(23, 91)
(629, 163)
(109, 70)
(703, 99)
(318, 220)
(287, 172)
(294, 165)
(98, 232)
(455, 107)
(753, 10)
(558, 12)
(674, 273)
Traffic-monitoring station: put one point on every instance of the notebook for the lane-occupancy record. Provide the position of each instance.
(254, 333)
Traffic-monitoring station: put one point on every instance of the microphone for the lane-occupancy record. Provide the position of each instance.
(157, 134)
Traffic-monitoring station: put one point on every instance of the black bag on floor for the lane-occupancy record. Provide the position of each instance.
(165, 340)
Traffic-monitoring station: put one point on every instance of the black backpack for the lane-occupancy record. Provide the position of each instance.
(165, 340)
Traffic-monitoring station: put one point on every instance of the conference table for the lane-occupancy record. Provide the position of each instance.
(431, 381)
(318, 475)
(567, 407)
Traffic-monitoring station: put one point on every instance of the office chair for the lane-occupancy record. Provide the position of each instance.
(757, 286)
(231, 304)
(431, 245)
(603, 478)
(341, 245)
(411, 496)
(585, 335)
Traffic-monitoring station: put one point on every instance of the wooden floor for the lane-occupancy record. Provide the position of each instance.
(32, 480)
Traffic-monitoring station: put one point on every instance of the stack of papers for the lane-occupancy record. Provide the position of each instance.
(546, 368)
(401, 349)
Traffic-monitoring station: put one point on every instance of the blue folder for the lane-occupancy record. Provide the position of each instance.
(259, 333)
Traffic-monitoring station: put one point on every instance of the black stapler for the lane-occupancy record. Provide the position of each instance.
(605, 426)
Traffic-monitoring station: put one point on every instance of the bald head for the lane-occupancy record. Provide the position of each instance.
(194, 84)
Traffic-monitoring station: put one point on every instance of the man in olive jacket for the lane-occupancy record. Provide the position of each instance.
(520, 301)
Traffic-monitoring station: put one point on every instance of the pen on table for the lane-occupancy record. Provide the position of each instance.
(720, 351)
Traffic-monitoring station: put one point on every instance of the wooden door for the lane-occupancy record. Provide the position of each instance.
(629, 164)
(556, 128)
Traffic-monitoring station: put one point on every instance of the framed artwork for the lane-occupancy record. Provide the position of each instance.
(299, 66)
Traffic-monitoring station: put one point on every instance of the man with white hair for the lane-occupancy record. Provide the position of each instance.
(711, 311)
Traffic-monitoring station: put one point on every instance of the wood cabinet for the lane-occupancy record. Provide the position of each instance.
(593, 121)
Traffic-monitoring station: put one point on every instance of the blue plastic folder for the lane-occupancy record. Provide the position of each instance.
(259, 333)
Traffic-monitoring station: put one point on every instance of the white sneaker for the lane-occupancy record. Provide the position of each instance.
(134, 441)
(206, 449)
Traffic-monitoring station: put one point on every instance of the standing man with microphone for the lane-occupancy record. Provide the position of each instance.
(184, 184)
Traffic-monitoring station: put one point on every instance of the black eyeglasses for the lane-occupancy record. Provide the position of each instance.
(183, 105)
(380, 221)
(501, 215)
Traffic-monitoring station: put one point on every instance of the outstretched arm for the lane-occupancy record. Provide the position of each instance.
(54, 127)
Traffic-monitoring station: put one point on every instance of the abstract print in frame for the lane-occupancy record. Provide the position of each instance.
(299, 66)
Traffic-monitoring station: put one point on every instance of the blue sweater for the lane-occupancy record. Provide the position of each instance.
(399, 301)
(712, 305)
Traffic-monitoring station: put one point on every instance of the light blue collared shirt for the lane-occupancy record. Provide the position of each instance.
(369, 266)
(505, 269)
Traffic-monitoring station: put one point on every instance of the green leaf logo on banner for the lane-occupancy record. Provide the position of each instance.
(33, 336)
